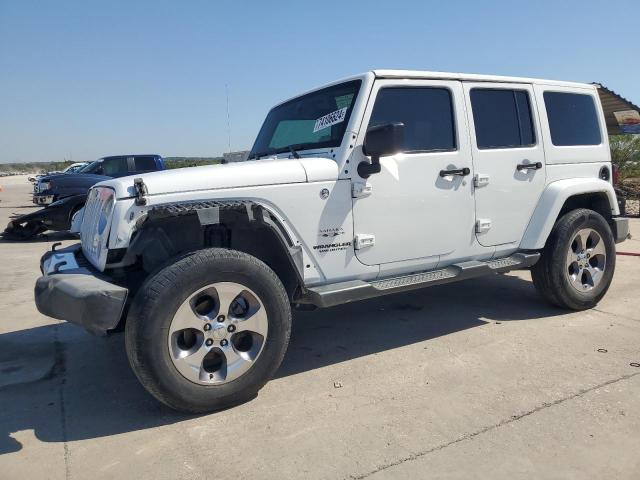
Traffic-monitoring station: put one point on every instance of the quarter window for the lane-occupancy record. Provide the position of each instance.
(426, 112)
(502, 118)
(572, 119)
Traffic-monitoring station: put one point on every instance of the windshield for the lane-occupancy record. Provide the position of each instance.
(89, 168)
(73, 168)
(316, 120)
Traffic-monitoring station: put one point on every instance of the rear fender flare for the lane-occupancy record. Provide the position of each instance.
(551, 202)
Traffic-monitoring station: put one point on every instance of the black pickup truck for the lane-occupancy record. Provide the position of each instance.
(64, 194)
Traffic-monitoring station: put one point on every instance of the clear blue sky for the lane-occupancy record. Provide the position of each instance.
(92, 78)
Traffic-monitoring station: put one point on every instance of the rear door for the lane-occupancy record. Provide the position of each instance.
(508, 159)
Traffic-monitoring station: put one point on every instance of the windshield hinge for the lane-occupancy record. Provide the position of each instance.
(141, 191)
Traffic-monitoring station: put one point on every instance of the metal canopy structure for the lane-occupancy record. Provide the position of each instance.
(611, 103)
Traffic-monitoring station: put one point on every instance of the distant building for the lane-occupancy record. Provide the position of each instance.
(240, 156)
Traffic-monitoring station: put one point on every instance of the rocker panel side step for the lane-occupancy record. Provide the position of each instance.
(353, 290)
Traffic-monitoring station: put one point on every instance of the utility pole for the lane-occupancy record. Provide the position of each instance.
(226, 89)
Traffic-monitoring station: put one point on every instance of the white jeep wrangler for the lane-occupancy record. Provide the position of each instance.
(380, 183)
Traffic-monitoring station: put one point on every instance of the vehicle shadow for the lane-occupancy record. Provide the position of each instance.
(87, 390)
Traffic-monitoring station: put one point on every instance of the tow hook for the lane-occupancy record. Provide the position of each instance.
(55, 245)
(141, 191)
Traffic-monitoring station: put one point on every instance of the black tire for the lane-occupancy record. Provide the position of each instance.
(550, 274)
(19, 232)
(152, 310)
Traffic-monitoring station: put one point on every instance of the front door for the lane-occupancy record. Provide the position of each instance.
(508, 159)
(413, 212)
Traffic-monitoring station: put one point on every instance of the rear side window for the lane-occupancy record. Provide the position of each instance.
(426, 112)
(502, 118)
(114, 166)
(144, 163)
(573, 119)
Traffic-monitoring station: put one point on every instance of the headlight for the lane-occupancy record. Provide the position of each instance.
(44, 186)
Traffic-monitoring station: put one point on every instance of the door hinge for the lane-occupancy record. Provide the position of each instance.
(361, 189)
(364, 240)
(480, 180)
(483, 225)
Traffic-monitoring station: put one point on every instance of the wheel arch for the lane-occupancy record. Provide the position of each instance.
(171, 230)
(565, 195)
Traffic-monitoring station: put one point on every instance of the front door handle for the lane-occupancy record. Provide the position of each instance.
(529, 166)
(461, 172)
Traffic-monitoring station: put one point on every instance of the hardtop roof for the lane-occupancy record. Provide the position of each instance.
(419, 74)
(429, 75)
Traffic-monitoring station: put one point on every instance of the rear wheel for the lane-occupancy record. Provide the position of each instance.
(208, 331)
(578, 261)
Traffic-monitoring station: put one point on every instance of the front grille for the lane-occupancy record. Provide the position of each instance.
(93, 240)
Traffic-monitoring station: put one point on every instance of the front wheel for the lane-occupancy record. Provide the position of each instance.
(578, 261)
(208, 331)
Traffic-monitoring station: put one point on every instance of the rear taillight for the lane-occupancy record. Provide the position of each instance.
(616, 174)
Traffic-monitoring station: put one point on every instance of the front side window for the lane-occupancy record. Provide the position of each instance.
(316, 120)
(426, 112)
(573, 119)
(502, 118)
(114, 166)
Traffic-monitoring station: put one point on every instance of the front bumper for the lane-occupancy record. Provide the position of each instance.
(70, 289)
(43, 199)
(620, 229)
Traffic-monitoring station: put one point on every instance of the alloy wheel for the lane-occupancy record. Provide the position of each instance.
(586, 260)
(218, 333)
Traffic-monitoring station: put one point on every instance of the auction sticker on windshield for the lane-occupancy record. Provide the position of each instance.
(330, 119)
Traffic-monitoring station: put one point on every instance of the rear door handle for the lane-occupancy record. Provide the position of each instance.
(529, 166)
(461, 172)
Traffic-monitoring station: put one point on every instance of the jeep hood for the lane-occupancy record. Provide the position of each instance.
(75, 180)
(230, 175)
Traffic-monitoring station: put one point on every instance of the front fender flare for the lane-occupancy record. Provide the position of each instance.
(207, 212)
(551, 202)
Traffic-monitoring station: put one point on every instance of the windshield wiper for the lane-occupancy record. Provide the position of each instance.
(297, 147)
(257, 155)
(292, 149)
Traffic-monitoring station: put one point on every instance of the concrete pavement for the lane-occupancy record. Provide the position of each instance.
(473, 380)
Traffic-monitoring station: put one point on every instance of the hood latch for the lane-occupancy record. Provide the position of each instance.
(141, 191)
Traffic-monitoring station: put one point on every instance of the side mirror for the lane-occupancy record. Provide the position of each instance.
(381, 140)
(100, 170)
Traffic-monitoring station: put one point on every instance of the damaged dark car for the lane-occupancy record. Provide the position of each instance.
(65, 194)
